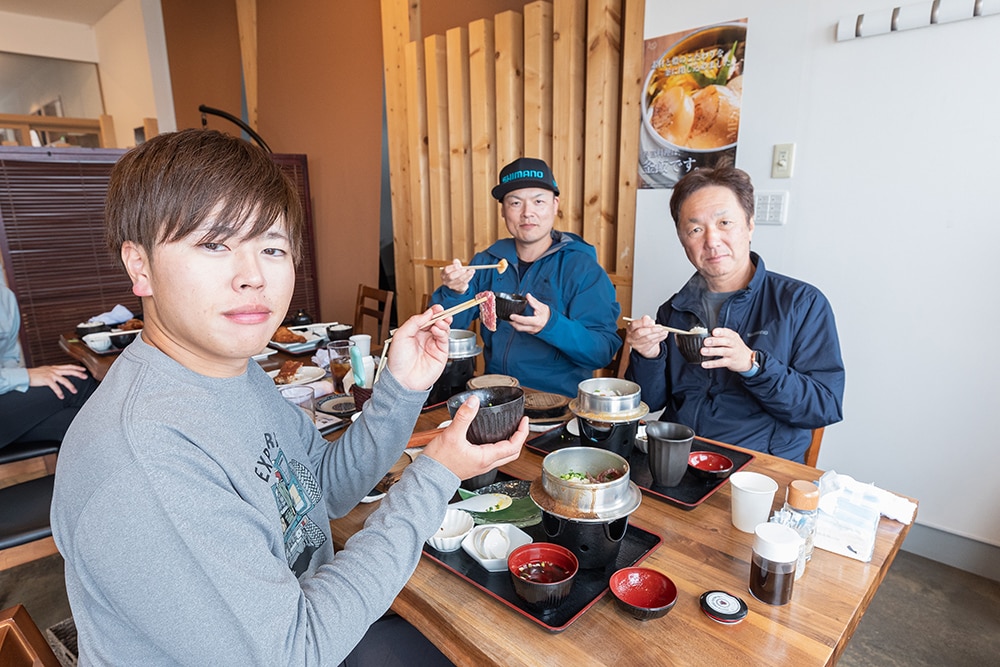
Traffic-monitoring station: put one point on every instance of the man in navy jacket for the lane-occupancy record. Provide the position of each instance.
(775, 371)
(570, 326)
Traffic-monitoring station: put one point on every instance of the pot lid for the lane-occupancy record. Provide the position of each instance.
(630, 503)
(609, 417)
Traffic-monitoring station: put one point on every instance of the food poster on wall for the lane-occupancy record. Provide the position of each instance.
(691, 101)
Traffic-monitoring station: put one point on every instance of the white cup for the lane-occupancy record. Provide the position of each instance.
(303, 396)
(364, 344)
(97, 342)
(753, 495)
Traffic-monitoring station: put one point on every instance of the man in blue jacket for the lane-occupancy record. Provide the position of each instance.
(570, 326)
(776, 372)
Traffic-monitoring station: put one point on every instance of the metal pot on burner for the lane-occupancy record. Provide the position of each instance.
(608, 411)
(461, 366)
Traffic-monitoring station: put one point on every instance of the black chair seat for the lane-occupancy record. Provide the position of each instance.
(19, 451)
(25, 514)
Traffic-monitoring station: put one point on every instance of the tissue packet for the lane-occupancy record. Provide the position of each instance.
(847, 526)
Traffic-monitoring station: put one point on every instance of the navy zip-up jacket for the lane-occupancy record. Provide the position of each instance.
(582, 332)
(800, 385)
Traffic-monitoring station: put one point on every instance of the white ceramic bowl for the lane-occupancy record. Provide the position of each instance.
(489, 537)
(456, 525)
(97, 342)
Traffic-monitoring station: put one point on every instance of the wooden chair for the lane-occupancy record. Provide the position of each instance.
(376, 304)
(812, 454)
(619, 363)
(23, 461)
(21, 642)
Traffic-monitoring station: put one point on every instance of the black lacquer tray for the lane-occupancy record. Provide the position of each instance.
(589, 586)
(690, 493)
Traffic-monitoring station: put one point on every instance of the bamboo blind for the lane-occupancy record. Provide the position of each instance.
(52, 243)
(560, 80)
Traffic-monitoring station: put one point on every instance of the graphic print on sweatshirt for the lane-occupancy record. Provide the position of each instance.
(296, 492)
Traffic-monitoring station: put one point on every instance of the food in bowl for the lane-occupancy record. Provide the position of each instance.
(587, 478)
(542, 574)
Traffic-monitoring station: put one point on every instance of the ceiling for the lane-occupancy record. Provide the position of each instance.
(87, 12)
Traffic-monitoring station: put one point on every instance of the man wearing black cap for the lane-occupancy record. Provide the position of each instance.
(569, 328)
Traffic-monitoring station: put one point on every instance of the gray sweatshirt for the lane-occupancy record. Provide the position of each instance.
(193, 514)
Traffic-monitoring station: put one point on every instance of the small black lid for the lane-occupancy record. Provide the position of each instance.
(723, 607)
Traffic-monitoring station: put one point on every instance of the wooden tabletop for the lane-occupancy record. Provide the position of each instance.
(701, 551)
(98, 364)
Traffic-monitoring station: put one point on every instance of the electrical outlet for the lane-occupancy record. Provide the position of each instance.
(771, 207)
(782, 160)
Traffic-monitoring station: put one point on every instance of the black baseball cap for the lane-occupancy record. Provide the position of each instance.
(525, 172)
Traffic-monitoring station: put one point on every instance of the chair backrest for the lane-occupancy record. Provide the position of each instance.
(21, 642)
(619, 363)
(377, 304)
(812, 454)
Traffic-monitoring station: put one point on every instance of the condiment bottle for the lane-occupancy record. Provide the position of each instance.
(772, 567)
(802, 503)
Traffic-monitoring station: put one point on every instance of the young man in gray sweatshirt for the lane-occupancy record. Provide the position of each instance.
(192, 503)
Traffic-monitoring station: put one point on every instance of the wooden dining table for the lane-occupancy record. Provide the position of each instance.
(700, 551)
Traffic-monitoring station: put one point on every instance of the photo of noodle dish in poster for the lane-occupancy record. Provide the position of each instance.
(691, 101)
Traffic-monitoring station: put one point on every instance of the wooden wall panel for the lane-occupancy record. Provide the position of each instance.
(569, 49)
(482, 94)
(459, 142)
(416, 129)
(548, 83)
(400, 25)
(601, 150)
(538, 80)
(438, 160)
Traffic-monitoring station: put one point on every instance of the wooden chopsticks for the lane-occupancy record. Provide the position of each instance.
(664, 326)
(471, 303)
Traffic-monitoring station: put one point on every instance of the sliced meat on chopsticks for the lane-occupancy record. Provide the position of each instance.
(488, 310)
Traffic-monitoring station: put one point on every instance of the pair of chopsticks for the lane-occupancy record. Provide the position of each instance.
(665, 327)
(471, 303)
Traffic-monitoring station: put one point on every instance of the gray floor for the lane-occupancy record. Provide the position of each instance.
(925, 613)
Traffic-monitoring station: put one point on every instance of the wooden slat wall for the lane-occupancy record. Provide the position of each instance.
(546, 82)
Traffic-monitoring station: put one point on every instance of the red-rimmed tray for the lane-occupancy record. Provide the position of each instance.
(589, 586)
(687, 495)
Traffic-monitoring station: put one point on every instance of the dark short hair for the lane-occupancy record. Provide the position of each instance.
(737, 180)
(165, 188)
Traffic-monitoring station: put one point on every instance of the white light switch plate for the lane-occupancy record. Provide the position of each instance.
(782, 160)
(771, 207)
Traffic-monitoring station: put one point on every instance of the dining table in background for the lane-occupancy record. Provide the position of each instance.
(701, 551)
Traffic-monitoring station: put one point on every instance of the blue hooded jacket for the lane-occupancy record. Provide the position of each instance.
(800, 385)
(581, 334)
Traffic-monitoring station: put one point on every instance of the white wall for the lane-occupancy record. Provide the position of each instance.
(130, 49)
(893, 215)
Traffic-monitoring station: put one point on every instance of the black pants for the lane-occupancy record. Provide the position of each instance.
(392, 642)
(38, 414)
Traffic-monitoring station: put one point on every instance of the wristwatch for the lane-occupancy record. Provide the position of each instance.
(754, 366)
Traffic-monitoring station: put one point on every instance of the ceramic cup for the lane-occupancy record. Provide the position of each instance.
(668, 446)
(753, 495)
(301, 395)
(364, 344)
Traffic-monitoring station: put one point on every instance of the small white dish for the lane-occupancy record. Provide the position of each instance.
(573, 428)
(456, 526)
(486, 535)
(355, 416)
(97, 342)
(263, 354)
(445, 424)
(305, 375)
(640, 439)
